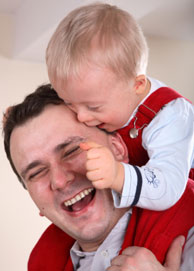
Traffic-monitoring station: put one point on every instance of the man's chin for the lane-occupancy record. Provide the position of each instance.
(92, 234)
(89, 220)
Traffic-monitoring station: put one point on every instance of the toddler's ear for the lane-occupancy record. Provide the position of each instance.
(140, 84)
(118, 148)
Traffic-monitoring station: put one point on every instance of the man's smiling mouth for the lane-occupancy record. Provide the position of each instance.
(80, 201)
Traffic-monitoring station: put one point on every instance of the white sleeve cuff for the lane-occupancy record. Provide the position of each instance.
(129, 188)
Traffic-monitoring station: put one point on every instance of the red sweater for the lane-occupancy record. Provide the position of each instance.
(151, 229)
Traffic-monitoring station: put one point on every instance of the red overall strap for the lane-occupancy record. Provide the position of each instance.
(156, 101)
(146, 112)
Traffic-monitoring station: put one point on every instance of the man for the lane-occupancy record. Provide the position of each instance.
(42, 141)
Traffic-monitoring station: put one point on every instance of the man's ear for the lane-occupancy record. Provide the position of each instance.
(118, 148)
(41, 214)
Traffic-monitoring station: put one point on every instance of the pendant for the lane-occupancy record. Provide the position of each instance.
(133, 133)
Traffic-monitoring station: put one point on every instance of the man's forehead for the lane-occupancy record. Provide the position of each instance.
(53, 121)
(55, 126)
(58, 115)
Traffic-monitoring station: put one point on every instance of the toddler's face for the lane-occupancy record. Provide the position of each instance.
(99, 98)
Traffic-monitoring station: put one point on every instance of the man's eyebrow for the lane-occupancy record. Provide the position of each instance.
(30, 166)
(69, 141)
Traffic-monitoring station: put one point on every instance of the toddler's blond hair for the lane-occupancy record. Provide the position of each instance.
(98, 34)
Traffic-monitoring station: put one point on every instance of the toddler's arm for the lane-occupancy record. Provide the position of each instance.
(169, 141)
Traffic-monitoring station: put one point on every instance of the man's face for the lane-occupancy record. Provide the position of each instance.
(46, 154)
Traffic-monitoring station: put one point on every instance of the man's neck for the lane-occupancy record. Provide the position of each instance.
(89, 246)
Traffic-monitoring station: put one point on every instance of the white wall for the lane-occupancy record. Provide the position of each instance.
(172, 61)
(21, 226)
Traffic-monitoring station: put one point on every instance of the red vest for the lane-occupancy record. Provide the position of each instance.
(146, 112)
(151, 229)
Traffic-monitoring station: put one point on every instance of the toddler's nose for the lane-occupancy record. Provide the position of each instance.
(83, 116)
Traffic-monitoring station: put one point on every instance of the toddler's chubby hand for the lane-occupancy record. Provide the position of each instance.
(102, 168)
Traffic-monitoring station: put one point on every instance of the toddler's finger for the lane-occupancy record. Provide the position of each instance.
(94, 175)
(89, 145)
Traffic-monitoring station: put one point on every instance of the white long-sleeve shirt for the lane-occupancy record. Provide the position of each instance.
(169, 141)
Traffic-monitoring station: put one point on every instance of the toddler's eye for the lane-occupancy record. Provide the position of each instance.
(94, 108)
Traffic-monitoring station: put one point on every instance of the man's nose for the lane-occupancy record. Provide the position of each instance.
(60, 177)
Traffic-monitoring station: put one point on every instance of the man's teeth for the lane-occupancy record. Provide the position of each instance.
(78, 197)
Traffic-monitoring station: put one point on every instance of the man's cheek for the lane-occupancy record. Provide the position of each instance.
(78, 165)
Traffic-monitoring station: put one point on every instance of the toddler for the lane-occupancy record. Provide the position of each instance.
(97, 61)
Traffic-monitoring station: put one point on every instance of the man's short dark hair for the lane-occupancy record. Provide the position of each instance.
(31, 107)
